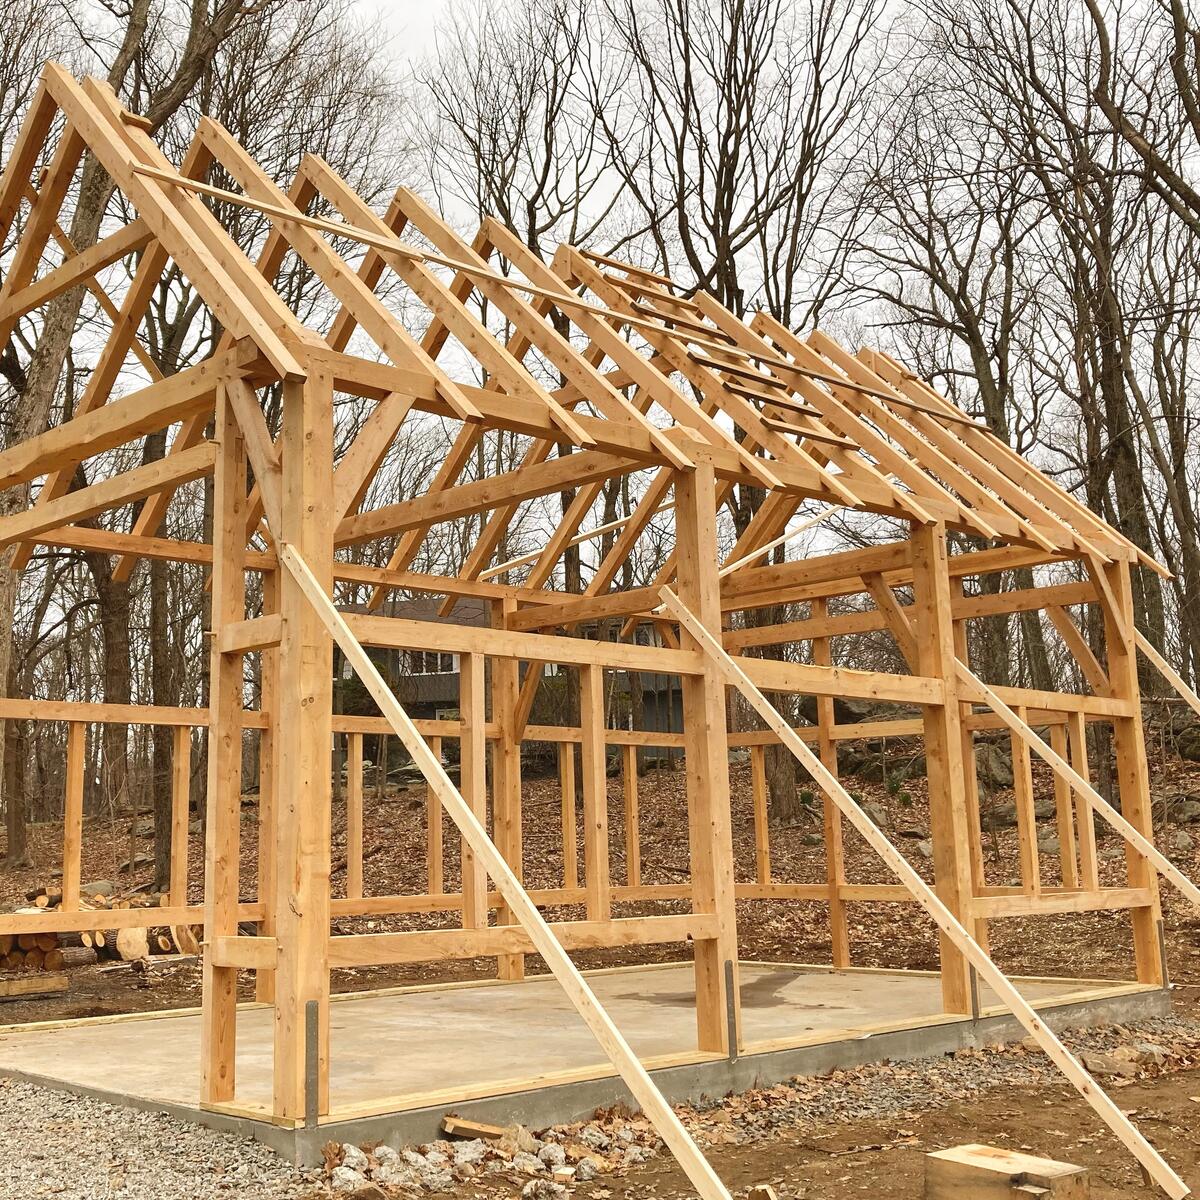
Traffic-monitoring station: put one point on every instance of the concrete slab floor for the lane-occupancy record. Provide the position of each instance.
(418, 1041)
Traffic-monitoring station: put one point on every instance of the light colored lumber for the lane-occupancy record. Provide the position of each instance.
(1087, 1087)
(660, 1113)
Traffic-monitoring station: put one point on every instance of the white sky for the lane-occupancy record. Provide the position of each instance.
(410, 22)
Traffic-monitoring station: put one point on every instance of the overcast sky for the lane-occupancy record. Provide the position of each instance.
(410, 22)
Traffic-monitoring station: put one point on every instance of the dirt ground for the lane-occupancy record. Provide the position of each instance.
(833, 1160)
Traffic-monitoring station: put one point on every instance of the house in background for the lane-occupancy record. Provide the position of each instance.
(427, 681)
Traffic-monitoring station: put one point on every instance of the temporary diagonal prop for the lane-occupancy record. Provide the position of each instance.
(705, 1180)
(1070, 1066)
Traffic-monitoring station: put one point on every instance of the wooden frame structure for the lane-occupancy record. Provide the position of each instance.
(650, 382)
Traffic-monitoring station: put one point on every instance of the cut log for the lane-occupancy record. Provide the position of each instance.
(54, 960)
(47, 941)
(186, 939)
(7, 941)
(132, 944)
(78, 956)
(34, 959)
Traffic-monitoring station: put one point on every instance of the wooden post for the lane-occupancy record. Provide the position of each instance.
(73, 815)
(354, 816)
(570, 836)
(473, 780)
(181, 788)
(304, 736)
(762, 825)
(835, 857)
(979, 927)
(223, 821)
(707, 760)
(506, 777)
(1031, 872)
(268, 781)
(596, 878)
(1133, 776)
(1063, 815)
(633, 844)
(433, 831)
(1085, 818)
(934, 632)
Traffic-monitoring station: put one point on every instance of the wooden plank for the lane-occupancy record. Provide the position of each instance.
(73, 814)
(570, 835)
(436, 945)
(506, 776)
(354, 815)
(595, 794)
(1085, 820)
(303, 731)
(37, 983)
(646, 1095)
(181, 792)
(77, 268)
(762, 825)
(244, 953)
(473, 776)
(633, 841)
(1031, 874)
(706, 761)
(1093, 672)
(109, 493)
(978, 1172)
(946, 921)
(831, 818)
(222, 851)
(434, 870)
(1064, 817)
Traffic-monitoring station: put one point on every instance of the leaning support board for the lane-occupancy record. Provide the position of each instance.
(697, 1168)
(1088, 1088)
(984, 695)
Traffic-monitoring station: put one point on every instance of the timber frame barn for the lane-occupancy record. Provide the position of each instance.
(669, 387)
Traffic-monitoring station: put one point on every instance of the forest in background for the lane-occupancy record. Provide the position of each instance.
(1000, 193)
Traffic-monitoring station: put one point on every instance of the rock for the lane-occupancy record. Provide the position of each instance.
(594, 1138)
(1188, 743)
(1149, 1054)
(354, 1158)
(585, 1170)
(473, 1151)
(1109, 1064)
(552, 1155)
(386, 1156)
(633, 1154)
(1049, 844)
(436, 1158)
(544, 1189)
(925, 847)
(1182, 841)
(993, 766)
(526, 1163)
(346, 1179)
(395, 1174)
(876, 813)
(100, 887)
(1109, 853)
(517, 1137)
(811, 839)
(413, 1159)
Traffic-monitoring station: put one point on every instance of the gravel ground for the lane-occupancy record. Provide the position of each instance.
(80, 1149)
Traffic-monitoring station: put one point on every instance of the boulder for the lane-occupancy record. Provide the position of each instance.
(993, 766)
(876, 813)
(1188, 743)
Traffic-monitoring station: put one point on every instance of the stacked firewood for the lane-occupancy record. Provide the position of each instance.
(31, 952)
(126, 944)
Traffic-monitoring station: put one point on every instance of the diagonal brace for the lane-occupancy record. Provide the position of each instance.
(705, 1180)
(1155, 1165)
